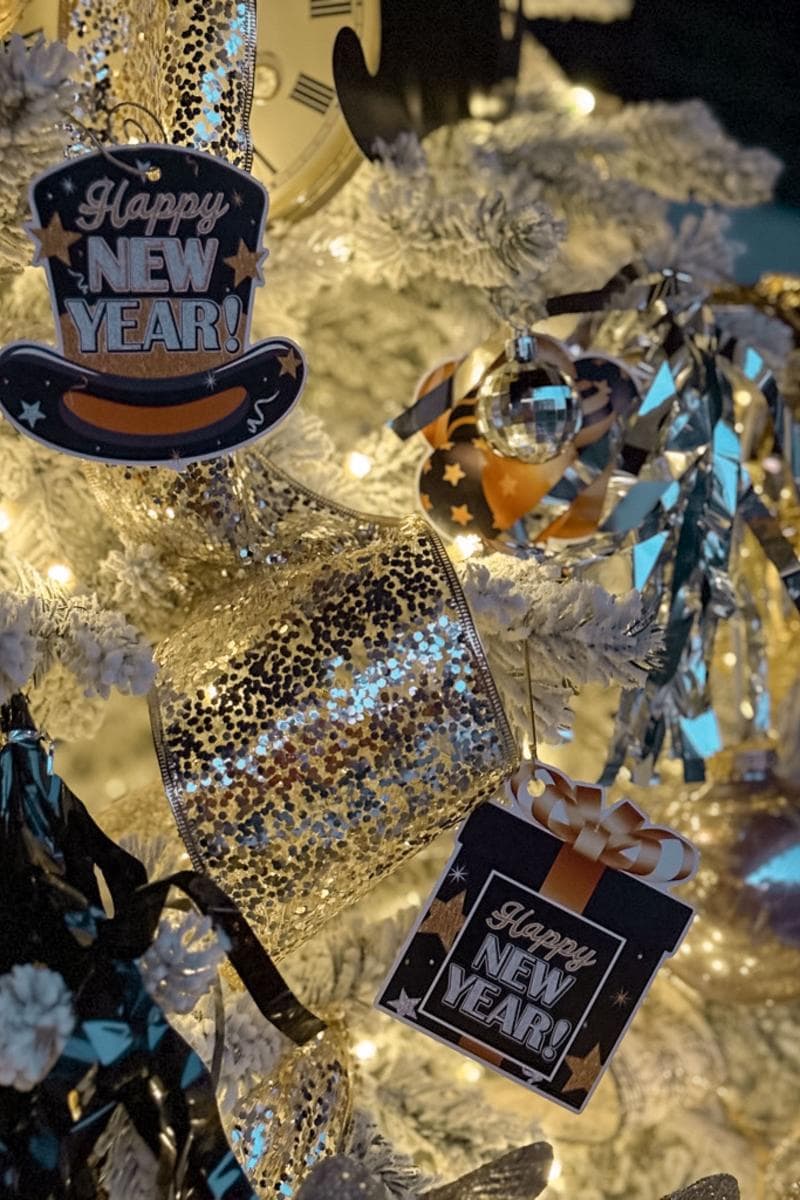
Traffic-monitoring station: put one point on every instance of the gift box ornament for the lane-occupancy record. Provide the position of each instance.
(321, 725)
(544, 932)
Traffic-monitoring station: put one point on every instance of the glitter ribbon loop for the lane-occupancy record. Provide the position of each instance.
(619, 837)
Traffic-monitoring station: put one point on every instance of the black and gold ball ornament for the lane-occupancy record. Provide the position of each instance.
(528, 408)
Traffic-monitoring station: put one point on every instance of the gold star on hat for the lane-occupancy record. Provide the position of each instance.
(54, 240)
(246, 264)
(289, 363)
(445, 919)
(583, 1071)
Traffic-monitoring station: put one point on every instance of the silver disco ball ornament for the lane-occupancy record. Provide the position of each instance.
(527, 408)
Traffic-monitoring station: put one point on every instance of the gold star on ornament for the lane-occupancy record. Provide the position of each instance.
(54, 241)
(445, 919)
(246, 264)
(460, 514)
(289, 363)
(583, 1071)
(453, 474)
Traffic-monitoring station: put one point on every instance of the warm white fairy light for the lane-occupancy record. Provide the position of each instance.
(365, 1050)
(583, 100)
(467, 544)
(59, 573)
(555, 1171)
(471, 1072)
(339, 248)
(5, 520)
(357, 464)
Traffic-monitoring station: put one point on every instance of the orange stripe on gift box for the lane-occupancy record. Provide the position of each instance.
(479, 1051)
(572, 879)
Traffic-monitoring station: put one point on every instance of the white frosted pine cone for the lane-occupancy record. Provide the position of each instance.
(180, 965)
(36, 1021)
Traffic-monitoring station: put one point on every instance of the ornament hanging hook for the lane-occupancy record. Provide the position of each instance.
(134, 124)
(151, 174)
(531, 709)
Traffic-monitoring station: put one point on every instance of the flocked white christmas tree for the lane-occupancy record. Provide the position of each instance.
(412, 262)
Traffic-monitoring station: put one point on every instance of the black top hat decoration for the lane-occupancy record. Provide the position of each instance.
(152, 255)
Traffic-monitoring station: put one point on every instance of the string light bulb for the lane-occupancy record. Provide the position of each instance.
(339, 248)
(583, 100)
(5, 520)
(358, 465)
(365, 1050)
(59, 573)
(467, 544)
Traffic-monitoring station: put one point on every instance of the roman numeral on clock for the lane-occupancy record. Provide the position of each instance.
(263, 158)
(331, 8)
(315, 95)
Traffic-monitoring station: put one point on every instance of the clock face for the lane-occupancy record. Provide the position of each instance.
(303, 150)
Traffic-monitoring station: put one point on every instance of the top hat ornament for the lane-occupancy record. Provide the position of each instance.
(152, 255)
